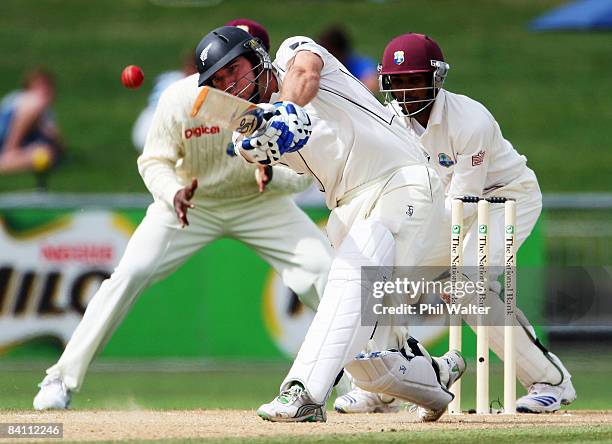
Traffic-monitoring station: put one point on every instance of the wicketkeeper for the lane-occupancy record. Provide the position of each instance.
(472, 158)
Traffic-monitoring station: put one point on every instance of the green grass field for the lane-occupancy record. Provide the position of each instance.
(237, 387)
(549, 435)
(244, 389)
(548, 91)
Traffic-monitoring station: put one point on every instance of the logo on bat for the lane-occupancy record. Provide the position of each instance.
(248, 124)
(252, 120)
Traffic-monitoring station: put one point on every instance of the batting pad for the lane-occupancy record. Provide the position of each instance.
(336, 334)
(392, 373)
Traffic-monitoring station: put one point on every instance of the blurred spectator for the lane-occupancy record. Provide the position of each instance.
(337, 41)
(165, 79)
(29, 138)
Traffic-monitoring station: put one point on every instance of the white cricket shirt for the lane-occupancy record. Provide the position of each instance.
(355, 139)
(466, 147)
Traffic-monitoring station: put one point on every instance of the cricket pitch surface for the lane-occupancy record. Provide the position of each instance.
(92, 425)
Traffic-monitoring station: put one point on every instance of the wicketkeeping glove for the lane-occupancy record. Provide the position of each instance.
(287, 131)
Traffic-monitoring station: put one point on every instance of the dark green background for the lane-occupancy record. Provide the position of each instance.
(549, 91)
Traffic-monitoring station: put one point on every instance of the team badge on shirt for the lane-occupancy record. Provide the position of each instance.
(478, 158)
(445, 161)
(398, 57)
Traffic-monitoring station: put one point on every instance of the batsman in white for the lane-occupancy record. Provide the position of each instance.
(472, 158)
(200, 194)
(372, 170)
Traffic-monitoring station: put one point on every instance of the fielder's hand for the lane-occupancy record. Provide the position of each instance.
(182, 201)
(287, 131)
(263, 176)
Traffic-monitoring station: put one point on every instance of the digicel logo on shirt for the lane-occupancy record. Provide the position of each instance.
(200, 131)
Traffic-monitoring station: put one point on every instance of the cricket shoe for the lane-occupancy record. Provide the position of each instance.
(53, 394)
(546, 398)
(452, 366)
(293, 405)
(360, 401)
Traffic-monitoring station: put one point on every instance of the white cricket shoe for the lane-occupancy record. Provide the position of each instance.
(545, 398)
(360, 401)
(293, 405)
(452, 366)
(53, 394)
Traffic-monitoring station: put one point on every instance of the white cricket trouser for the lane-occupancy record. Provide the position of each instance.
(270, 224)
(402, 210)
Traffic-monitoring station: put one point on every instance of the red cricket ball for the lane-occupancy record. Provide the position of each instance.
(132, 76)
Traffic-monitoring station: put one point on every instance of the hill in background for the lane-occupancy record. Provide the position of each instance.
(550, 92)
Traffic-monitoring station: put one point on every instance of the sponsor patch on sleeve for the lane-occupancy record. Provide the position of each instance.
(478, 158)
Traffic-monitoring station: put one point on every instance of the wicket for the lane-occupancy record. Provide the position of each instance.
(482, 334)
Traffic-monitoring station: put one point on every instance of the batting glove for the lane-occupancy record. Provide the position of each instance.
(263, 147)
(262, 113)
(286, 131)
(298, 123)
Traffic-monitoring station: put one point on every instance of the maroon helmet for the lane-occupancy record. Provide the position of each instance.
(408, 54)
(253, 28)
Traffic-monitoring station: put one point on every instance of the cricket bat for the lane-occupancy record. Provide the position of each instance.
(219, 108)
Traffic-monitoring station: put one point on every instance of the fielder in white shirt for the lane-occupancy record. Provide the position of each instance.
(385, 201)
(200, 194)
(467, 149)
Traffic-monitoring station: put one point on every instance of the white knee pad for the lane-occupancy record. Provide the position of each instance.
(390, 372)
(336, 334)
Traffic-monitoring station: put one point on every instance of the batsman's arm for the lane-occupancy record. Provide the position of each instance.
(163, 148)
(301, 83)
(289, 128)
